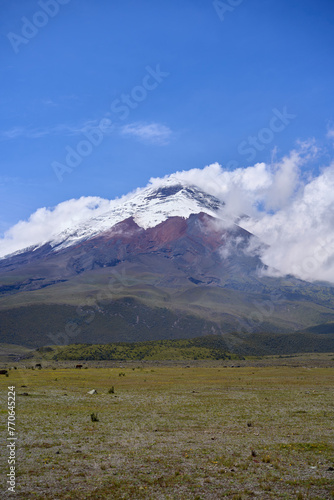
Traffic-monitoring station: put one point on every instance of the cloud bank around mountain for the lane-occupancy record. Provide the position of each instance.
(288, 209)
(46, 223)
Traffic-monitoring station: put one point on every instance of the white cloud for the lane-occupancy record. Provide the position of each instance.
(46, 223)
(243, 189)
(294, 216)
(154, 133)
(330, 134)
(230, 246)
(284, 182)
(291, 213)
(148, 132)
(12, 133)
(301, 235)
(36, 133)
(49, 102)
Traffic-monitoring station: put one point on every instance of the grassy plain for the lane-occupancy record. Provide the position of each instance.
(180, 430)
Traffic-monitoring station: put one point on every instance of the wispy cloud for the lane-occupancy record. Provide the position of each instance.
(153, 133)
(37, 133)
(12, 133)
(330, 133)
(148, 132)
(49, 102)
(6, 179)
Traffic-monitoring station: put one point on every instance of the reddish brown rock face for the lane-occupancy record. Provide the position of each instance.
(199, 231)
(185, 277)
(129, 234)
(188, 246)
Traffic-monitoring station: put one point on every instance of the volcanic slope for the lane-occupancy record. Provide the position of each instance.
(165, 263)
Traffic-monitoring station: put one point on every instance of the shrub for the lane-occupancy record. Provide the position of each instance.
(94, 417)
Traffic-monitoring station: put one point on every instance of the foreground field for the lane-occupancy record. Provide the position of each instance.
(173, 432)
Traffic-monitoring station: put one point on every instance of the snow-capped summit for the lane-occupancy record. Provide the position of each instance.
(167, 260)
(148, 208)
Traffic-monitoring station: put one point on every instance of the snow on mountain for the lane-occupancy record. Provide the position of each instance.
(148, 207)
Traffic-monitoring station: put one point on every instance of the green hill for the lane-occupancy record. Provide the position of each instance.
(198, 348)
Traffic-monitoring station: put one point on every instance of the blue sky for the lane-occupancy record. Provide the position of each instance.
(142, 88)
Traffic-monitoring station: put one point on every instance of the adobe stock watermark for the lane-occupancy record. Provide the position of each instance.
(87, 313)
(121, 107)
(126, 102)
(228, 6)
(93, 137)
(279, 121)
(30, 27)
(262, 311)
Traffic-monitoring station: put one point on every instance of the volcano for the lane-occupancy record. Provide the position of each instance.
(168, 262)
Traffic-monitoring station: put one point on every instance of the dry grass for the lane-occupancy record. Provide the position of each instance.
(171, 432)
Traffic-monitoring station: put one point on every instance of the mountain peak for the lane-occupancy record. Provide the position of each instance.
(148, 207)
(165, 191)
(191, 192)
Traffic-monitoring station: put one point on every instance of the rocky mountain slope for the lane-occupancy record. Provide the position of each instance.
(166, 263)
